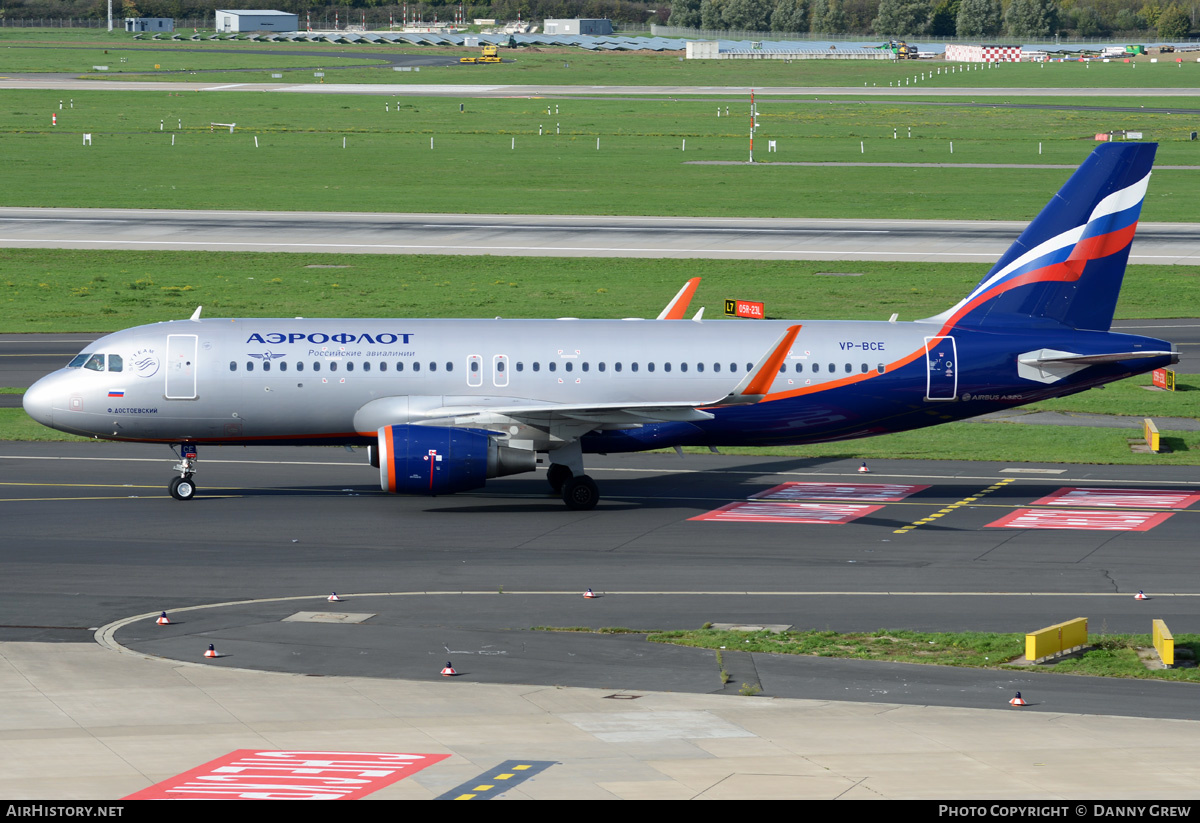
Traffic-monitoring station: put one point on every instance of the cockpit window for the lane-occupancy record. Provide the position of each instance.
(115, 363)
(78, 360)
(95, 363)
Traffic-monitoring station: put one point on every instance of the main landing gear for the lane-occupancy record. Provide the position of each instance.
(182, 487)
(579, 492)
(566, 478)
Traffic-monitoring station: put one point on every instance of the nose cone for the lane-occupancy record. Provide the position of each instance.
(38, 402)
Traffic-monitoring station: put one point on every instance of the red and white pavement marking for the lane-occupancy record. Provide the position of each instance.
(1084, 519)
(754, 512)
(869, 492)
(1121, 498)
(251, 774)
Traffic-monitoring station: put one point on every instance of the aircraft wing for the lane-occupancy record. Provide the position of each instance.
(543, 414)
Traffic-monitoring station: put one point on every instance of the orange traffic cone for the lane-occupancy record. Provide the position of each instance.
(449, 670)
(589, 594)
(1141, 595)
(863, 468)
(1018, 701)
(211, 651)
(163, 620)
(333, 598)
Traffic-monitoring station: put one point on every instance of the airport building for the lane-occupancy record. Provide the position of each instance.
(578, 26)
(256, 20)
(155, 24)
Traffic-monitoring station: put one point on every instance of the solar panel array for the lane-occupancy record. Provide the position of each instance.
(590, 42)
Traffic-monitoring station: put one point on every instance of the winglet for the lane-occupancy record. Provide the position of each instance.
(196, 313)
(677, 308)
(757, 383)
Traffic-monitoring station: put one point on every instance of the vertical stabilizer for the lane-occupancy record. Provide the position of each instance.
(1066, 267)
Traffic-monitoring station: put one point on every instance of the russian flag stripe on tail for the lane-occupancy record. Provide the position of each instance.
(1066, 267)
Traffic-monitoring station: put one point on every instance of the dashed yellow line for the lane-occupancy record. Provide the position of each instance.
(966, 501)
(504, 776)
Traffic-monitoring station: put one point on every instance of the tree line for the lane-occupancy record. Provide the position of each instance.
(978, 19)
(1159, 19)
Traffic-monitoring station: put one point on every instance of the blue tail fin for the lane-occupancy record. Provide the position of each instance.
(1066, 267)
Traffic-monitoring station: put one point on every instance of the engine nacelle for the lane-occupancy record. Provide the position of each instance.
(440, 460)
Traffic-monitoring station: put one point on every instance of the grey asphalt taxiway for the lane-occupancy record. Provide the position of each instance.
(458, 575)
(553, 235)
(103, 702)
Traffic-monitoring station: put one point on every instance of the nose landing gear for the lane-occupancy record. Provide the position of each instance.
(182, 487)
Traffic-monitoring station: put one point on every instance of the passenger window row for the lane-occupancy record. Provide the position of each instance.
(332, 365)
(96, 362)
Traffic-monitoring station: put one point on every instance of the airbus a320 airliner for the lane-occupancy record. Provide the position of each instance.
(443, 405)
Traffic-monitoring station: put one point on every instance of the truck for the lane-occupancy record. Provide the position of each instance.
(487, 54)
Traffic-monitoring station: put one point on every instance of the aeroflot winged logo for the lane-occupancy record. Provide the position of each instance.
(145, 363)
(387, 338)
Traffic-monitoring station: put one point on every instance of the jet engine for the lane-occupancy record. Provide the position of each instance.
(440, 460)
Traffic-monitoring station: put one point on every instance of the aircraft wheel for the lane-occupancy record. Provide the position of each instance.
(557, 475)
(182, 488)
(581, 493)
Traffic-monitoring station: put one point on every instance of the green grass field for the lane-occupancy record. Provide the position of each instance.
(101, 291)
(571, 66)
(473, 167)
(559, 67)
(1117, 655)
(1004, 443)
(180, 62)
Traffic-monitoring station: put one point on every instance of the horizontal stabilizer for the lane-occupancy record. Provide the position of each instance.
(1050, 365)
(1089, 359)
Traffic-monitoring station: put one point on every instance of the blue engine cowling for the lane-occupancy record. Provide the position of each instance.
(440, 460)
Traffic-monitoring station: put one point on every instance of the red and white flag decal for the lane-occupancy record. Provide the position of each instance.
(1106, 520)
(869, 492)
(252, 774)
(1121, 498)
(756, 512)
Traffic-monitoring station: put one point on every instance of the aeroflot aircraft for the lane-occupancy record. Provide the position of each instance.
(445, 404)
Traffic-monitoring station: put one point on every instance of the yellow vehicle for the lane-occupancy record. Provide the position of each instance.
(902, 50)
(488, 55)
